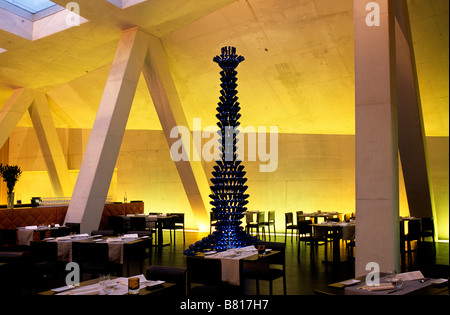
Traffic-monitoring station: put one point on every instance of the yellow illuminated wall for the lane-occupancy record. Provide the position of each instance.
(315, 172)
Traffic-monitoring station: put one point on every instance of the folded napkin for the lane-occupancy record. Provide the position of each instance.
(130, 236)
(114, 240)
(31, 227)
(92, 291)
(380, 287)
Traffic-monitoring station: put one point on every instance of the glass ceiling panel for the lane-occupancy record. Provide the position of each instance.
(32, 6)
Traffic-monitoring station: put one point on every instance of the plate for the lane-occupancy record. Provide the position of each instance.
(350, 282)
(210, 252)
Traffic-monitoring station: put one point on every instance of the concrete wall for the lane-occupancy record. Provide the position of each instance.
(315, 172)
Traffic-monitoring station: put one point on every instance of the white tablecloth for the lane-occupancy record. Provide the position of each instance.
(230, 262)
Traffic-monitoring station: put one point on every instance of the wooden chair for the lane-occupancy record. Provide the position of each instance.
(271, 222)
(269, 269)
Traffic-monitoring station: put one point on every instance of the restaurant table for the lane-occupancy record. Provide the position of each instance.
(412, 287)
(339, 231)
(232, 260)
(26, 234)
(93, 287)
(159, 219)
(115, 245)
(315, 215)
(354, 287)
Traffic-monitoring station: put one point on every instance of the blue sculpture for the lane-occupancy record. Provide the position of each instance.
(228, 190)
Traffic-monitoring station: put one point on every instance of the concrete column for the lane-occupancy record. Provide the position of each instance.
(12, 112)
(4, 159)
(91, 188)
(411, 132)
(377, 204)
(50, 146)
(170, 112)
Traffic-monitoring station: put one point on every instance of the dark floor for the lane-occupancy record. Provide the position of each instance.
(305, 270)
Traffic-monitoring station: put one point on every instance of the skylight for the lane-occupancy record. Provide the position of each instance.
(35, 19)
(32, 6)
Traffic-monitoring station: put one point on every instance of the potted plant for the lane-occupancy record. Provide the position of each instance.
(10, 174)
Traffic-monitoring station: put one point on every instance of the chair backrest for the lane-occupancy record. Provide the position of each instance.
(204, 271)
(249, 217)
(44, 251)
(278, 259)
(212, 216)
(8, 237)
(304, 227)
(178, 218)
(289, 218)
(414, 228)
(300, 216)
(116, 223)
(427, 224)
(93, 253)
(137, 223)
(260, 217)
(271, 216)
(169, 274)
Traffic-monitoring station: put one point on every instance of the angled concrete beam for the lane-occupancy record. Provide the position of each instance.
(12, 112)
(171, 114)
(91, 188)
(411, 132)
(376, 147)
(50, 146)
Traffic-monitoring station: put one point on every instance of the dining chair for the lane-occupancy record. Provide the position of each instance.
(136, 251)
(204, 276)
(257, 224)
(177, 223)
(414, 229)
(93, 259)
(271, 222)
(289, 225)
(428, 231)
(45, 266)
(267, 269)
(169, 274)
(117, 224)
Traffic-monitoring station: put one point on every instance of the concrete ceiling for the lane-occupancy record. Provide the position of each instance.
(298, 73)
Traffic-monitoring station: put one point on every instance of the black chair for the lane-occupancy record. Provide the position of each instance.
(271, 222)
(289, 225)
(61, 231)
(8, 239)
(213, 221)
(177, 223)
(73, 227)
(136, 251)
(204, 276)
(256, 225)
(44, 263)
(93, 259)
(117, 224)
(428, 231)
(170, 275)
(414, 230)
(267, 269)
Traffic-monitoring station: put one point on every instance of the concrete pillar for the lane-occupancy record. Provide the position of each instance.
(377, 204)
(12, 112)
(52, 152)
(91, 188)
(411, 132)
(170, 112)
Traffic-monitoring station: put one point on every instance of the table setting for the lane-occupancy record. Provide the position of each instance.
(107, 285)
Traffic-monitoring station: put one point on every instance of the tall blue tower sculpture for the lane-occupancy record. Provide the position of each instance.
(228, 190)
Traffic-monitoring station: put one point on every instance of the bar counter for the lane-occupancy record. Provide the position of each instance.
(45, 215)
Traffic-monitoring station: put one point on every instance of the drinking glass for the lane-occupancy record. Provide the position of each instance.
(107, 284)
(261, 249)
